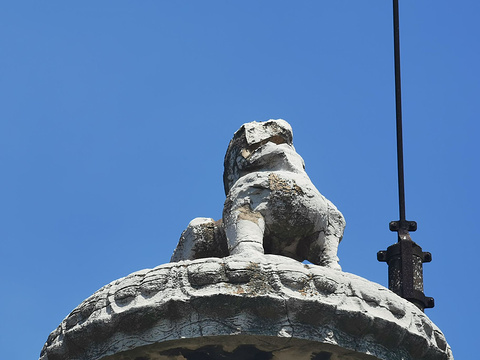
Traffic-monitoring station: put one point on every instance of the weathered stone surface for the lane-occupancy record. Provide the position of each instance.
(204, 237)
(235, 308)
(271, 206)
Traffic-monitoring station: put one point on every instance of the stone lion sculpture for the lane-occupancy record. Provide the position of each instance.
(271, 207)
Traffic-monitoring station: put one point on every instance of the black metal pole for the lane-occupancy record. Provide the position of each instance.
(398, 106)
(405, 258)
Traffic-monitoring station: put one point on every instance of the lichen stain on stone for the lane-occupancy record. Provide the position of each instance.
(288, 187)
(303, 292)
(306, 289)
(239, 290)
(258, 282)
(245, 213)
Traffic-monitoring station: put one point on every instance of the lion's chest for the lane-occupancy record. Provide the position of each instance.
(281, 197)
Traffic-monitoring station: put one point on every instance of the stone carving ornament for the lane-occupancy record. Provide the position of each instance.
(276, 307)
(271, 207)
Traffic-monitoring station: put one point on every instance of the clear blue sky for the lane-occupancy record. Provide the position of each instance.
(115, 117)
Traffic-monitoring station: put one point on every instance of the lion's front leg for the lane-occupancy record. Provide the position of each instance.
(323, 251)
(244, 229)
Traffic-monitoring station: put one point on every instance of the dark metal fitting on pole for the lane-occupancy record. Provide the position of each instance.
(421, 301)
(427, 257)
(403, 225)
(405, 270)
(382, 256)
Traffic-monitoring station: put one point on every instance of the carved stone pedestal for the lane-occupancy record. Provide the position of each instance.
(269, 307)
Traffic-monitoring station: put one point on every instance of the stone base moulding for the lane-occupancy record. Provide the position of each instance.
(270, 307)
